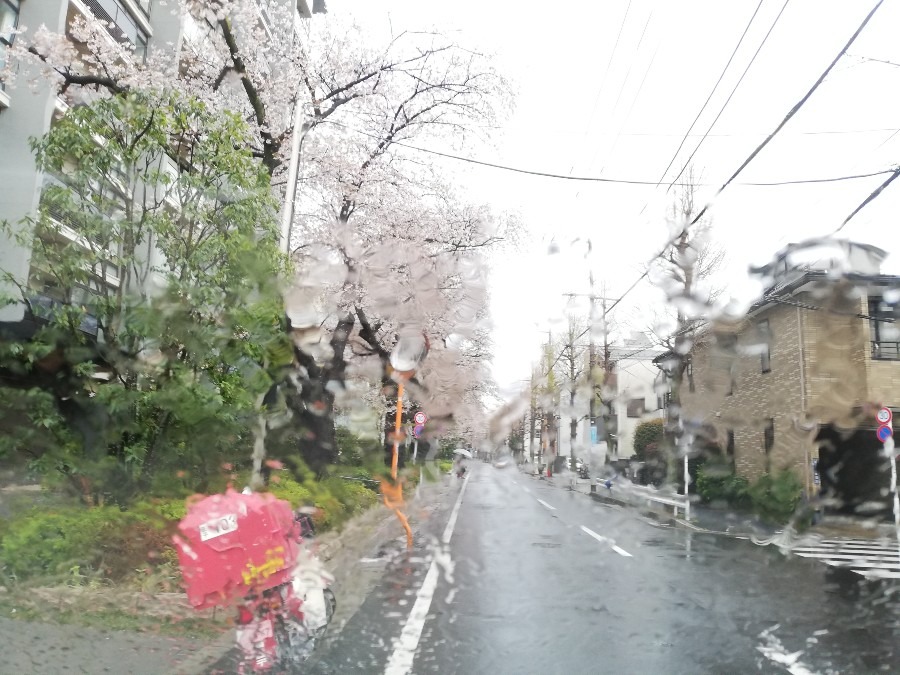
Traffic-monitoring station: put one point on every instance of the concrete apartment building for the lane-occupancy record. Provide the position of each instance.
(795, 383)
(25, 114)
(634, 378)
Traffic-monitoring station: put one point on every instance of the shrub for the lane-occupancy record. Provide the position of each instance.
(716, 483)
(775, 498)
(647, 434)
(292, 491)
(102, 539)
(335, 499)
(445, 465)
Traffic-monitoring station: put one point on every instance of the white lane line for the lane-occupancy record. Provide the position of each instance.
(404, 653)
(606, 540)
(621, 551)
(598, 537)
(552, 508)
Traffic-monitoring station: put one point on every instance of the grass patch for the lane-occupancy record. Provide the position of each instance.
(109, 609)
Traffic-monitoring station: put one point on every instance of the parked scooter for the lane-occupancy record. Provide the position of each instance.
(583, 471)
(250, 551)
(278, 628)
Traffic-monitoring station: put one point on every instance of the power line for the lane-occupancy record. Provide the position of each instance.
(708, 98)
(636, 95)
(597, 179)
(606, 71)
(731, 95)
(871, 197)
(793, 111)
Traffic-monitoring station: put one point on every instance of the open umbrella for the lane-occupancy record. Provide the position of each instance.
(464, 453)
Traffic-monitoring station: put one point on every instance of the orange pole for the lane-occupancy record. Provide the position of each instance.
(397, 424)
(392, 493)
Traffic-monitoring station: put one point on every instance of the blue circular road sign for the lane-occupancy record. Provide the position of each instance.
(884, 432)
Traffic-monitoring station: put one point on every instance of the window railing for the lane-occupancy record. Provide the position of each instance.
(888, 351)
(43, 307)
(119, 24)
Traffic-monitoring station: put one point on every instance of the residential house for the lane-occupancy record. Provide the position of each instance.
(793, 385)
(636, 399)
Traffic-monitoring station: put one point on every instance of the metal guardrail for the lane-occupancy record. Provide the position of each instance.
(367, 481)
(888, 351)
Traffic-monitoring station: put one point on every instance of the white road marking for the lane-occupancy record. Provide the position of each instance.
(873, 559)
(552, 508)
(404, 653)
(606, 540)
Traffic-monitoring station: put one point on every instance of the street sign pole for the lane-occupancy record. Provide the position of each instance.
(889, 451)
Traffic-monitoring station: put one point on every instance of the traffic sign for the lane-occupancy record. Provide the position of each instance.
(420, 417)
(884, 432)
(884, 416)
(418, 429)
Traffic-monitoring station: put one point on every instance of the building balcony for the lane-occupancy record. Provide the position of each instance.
(122, 20)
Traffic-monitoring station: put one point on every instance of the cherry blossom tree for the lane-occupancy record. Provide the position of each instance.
(380, 245)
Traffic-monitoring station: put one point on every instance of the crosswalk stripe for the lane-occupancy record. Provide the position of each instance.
(872, 559)
(863, 565)
(861, 545)
(849, 556)
(880, 574)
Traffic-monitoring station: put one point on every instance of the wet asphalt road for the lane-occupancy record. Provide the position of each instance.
(524, 587)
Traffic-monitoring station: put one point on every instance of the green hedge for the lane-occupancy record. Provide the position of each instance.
(774, 498)
(77, 541)
(112, 544)
(718, 485)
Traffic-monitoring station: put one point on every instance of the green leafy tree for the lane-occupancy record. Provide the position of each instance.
(157, 323)
(647, 438)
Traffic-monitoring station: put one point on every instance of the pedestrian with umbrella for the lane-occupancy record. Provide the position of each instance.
(459, 465)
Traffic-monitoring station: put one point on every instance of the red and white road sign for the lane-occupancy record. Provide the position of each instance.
(884, 416)
(420, 417)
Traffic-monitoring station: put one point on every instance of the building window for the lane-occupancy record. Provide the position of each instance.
(729, 388)
(635, 408)
(729, 444)
(9, 21)
(124, 28)
(769, 435)
(765, 356)
(884, 325)
(689, 371)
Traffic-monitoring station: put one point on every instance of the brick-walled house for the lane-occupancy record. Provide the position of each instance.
(796, 380)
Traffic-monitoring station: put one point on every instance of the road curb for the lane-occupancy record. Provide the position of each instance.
(606, 500)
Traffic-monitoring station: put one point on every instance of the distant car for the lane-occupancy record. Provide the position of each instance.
(502, 462)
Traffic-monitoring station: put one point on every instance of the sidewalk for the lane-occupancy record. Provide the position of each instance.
(704, 518)
(627, 494)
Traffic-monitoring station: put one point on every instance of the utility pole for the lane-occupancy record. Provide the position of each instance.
(592, 358)
(531, 418)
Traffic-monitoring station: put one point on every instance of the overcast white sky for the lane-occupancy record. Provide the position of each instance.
(573, 116)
